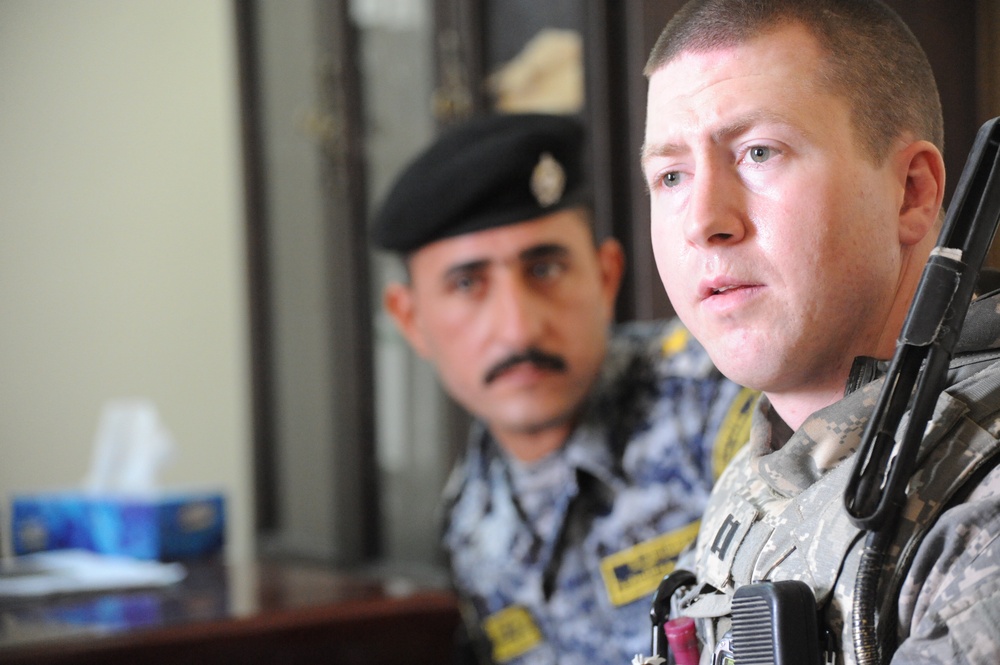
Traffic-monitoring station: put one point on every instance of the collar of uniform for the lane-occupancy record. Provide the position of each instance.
(541, 482)
(587, 450)
(472, 464)
(824, 440)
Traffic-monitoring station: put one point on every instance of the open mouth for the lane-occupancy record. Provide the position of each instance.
(726, 296)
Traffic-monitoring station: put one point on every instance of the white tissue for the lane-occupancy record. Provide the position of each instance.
(74, 571)
(131, 447)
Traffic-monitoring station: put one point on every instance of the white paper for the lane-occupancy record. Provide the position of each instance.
(74, 571)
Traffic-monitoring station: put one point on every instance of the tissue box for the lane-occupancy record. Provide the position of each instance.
(166, 526)
(54, 521)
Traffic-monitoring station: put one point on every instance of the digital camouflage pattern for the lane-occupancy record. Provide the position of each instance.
(778, 513)
(559, 559)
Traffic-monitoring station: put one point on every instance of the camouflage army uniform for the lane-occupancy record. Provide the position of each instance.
(778, 513)
(559, 559)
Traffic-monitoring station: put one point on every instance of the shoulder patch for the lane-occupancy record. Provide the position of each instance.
(512, 632)
(734, 431)
(636, 572)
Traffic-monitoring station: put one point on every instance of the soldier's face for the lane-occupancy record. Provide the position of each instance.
(515, 319)
(775, 236)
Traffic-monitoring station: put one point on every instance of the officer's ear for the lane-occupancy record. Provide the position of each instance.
(611, 260)
(921, 172)
(399, 301)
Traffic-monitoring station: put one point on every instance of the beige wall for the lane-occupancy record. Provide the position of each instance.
(121, 239)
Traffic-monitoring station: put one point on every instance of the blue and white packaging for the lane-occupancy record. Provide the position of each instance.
(120, 510)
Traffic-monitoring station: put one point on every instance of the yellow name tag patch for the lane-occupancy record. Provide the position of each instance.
(512, 632)
(636, 572)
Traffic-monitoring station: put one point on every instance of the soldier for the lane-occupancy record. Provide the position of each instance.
(591, 456)
(793, 157)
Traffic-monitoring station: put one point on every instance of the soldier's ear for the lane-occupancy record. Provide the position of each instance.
(921, 172)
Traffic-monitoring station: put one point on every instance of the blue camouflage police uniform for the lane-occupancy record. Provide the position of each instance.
(558, 559)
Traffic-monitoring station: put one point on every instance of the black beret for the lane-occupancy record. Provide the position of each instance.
(491, 171)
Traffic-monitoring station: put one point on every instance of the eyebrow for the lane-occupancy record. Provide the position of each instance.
(720, 134)
(544, 251)
(460, 269)
(533, 253)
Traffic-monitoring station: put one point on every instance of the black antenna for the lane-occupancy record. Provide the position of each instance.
(928, 339)
(876, 491)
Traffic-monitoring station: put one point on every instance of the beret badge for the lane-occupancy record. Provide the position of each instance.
(548, 180)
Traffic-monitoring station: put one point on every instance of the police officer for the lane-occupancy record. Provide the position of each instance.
(793, 157)
(593, 450)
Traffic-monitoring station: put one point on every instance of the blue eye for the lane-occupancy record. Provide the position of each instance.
(760, 153)
(671, 179)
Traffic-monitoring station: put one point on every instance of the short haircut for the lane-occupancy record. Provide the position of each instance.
(872, 59)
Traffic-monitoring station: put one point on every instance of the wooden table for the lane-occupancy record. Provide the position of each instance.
(260, 613)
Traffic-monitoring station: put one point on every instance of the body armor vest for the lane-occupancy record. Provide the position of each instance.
(755, 534)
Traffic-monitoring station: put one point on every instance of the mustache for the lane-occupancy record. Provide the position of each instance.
(537, 357)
